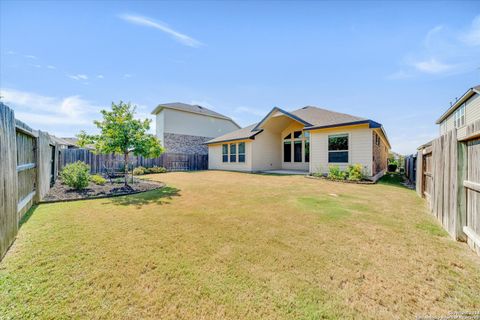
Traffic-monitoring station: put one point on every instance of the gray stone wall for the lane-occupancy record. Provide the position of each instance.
(182, 143)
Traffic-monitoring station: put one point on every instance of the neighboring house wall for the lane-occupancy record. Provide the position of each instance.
(360, 148)
(380, 153)
(472, 114)
(185, 132)
(181, 143)
(193, 124)
(215, 157)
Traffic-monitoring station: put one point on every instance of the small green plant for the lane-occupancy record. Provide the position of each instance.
(98, 179)
(156, 170)
(76, 175)
(138, 171)
(354, 172)
(335, 173)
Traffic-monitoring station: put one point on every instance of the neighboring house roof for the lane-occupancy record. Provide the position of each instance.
(240, 134)
(467, 95)
(311, 117)
(192, 109)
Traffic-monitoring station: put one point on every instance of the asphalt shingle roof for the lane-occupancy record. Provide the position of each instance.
(190, 108)
(315, 116)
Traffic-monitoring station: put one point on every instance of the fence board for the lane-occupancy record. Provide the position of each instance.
(100, 162)
(8, 179)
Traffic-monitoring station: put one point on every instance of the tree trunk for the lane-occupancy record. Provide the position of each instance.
(126, 167)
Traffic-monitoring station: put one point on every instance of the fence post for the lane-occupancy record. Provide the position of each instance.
(8, 177)
(461, 212)
(419, 178)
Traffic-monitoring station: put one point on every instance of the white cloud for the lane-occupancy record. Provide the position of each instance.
(148, 22)
(433, 66)
(472, 36)
(253, 111)
(100, 76)
(444, 51)
(37, 109)
(126, 76)
(11, 52)
(78, 77)
(51, 67)
(29, 56)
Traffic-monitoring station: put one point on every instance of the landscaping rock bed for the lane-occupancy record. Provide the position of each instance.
(62, 192)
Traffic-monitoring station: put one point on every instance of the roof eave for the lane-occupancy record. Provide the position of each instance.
(467, 95)
(371, 123)
(288, 114)
(250, 137)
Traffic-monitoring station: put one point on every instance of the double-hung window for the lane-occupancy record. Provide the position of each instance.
(224, 152)
(241, 152)
(338, 148)
(233, 152)
(459, 116)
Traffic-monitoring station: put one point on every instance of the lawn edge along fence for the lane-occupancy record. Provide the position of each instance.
(101, 163)
(448, 177)
(28, 167)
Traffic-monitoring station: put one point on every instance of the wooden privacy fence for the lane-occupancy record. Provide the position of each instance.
(100, 162)
(27, 169)
(410, 168)
(448, 177)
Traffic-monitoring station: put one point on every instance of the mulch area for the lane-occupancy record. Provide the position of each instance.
(61, 192)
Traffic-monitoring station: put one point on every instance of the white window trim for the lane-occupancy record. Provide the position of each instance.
(292, 142)
(349, 148)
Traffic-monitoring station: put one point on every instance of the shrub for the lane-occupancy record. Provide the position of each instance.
(354, 172)
(392, 167)
(138, 171)
(76, 175)
(98, 179)
(156, 170)
(335, 173)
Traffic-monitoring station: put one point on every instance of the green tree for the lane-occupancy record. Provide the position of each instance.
(121, 133)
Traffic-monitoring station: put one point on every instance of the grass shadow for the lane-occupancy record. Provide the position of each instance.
(27, 215)
(159, 196)
(393, 179)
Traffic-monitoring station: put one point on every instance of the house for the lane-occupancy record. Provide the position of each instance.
(463, 112)
(309, 139)
(184, 128)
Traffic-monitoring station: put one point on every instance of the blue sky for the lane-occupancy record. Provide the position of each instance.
(398, 63)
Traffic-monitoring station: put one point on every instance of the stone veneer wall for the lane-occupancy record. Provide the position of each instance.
(380, 154)
(182, 143)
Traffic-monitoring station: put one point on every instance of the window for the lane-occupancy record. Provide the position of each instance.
(297, 135)
(233, 152)
(338, 148)
(307, 146)
(459, 117)
(287, 151)
(297, 151)
(288, 136)
(224, 152)
(241, 152)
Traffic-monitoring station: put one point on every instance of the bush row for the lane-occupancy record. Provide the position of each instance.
(138, 171)
(352, 173)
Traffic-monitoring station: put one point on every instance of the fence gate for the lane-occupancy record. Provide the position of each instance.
(472, 187)
(427, 179)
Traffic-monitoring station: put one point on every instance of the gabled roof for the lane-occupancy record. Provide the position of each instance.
(240, 134)
(192, 109)
(311, 117)
(467, 95)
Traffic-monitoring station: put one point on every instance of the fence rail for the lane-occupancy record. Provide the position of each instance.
(100, 163)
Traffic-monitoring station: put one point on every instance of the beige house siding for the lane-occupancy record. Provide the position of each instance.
(294, 126)
(215, 157)
(186, 123)
(266, 153)
(472, 114)
(160, 130)
(360, 148)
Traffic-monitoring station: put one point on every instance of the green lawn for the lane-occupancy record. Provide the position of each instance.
(240, 246)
